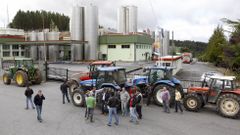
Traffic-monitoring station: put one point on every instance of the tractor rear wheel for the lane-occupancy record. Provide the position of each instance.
(192, 102)
(6, 79)
(78, 98)
(228, 105)
(72, 86)
(37, 77)
(157, 94)
(21, 78)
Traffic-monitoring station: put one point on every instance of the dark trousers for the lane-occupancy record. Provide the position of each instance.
(178, 105)
(166, 106)
(90, 113)
(65, 95)
(139, 111)
(149, 98)
(103, 107)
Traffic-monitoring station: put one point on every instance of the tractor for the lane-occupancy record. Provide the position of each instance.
(158, 77)
(105, 77)
(22, 71)
(222, 91)
(78, 77)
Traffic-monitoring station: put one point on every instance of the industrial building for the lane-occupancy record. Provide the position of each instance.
(120, 47)
(127, 19)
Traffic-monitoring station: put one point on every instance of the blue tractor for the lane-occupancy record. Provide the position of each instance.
(105, 77)
(157, 78)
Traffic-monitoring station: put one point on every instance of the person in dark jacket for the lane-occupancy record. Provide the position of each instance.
(28, 93)
(64, 89)
(38, 101)
(132, 104)
(139, 103)
(113, 103)
(149, 94)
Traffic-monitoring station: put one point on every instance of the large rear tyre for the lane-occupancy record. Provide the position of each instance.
(192, 102)
(37, 77)
(228, 105)
(21, 78)
(157, 94)
(78, 98)
(6, 79)
(72, 86)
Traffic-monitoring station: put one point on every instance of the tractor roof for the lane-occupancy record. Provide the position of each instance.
(16, 58)
(230, 78)
(102, 63)
(159, 68)
(110, 68)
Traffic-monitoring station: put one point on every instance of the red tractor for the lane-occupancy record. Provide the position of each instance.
(75, 79)
(221, 91)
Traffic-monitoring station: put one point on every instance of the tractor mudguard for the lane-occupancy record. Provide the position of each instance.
(175, 80)
(91, 82)
(167, 82)
(116, 87)
(237, 92)
(140, 80)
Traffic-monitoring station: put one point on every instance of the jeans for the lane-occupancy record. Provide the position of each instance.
(113, 112)
(29, 99)
(90, 113)
(166, 106)
(178, 105)
(133, 114)
(39, 112)
(139, 111)
(124, 108)
(65, 95)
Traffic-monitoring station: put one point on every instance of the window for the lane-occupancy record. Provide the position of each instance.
(125, 46)
(6, 47)
(111, 46)
(15, 53)
(15, 47)
(6, 54)
(22, 47)
(22, 53)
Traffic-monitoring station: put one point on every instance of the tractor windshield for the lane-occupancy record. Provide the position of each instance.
(159, 74)
(26, 63)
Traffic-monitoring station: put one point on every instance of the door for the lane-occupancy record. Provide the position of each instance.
(216, 88)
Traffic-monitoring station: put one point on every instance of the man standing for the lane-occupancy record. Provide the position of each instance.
(28, 93)
(124, 96)
(132, 104)
(139, 104)
(113, 103)
(38, 100)
(178, 104)
(91, 104)
(64, 89)
(149, 94)
(166, 99)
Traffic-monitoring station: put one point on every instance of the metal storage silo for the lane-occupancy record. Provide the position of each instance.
(132, 19)
(33, 48)
(53, 49)
(121, 26)
(41, 49)
(76, 29)
(91, 32)
(165, 43)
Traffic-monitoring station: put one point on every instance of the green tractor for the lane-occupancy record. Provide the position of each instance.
(21, 70)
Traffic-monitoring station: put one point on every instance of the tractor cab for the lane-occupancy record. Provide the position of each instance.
(219, 84)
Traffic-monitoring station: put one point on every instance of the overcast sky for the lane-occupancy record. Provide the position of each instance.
(190, 19)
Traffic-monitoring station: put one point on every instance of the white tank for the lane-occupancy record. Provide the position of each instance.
(132, 19)
(53, 49)
(33, 48)
(91, 32)
(76, 29)
(121, 26)
(165, 43)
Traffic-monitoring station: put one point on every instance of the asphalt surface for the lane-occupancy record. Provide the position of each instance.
(66, 119)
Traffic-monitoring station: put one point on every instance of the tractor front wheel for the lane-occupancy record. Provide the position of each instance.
(192, 102)
(21, 78)
(72, 86)
(228, 105)
(37, 77)
(6, 79)
(78, 98)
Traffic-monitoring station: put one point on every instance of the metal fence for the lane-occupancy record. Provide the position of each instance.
(187, 83)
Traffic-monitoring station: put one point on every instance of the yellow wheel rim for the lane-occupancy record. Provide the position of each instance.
(19, 79)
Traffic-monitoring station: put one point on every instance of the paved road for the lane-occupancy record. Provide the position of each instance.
(66, 119)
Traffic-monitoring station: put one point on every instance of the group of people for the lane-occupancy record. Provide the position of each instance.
(38, 101)
(112, 101)
(129, 101)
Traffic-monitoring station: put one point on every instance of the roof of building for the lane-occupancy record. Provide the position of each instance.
(123, 39)
(223, 77)
(101, 63)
